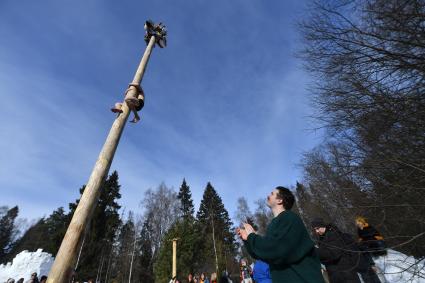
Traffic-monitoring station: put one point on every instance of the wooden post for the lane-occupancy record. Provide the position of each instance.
(132, 253)
(62, 268)
(215, 248)
(174, 272)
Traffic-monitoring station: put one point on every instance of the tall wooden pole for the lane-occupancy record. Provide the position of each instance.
(174, 272)
(132, 253)
(215, 248)
(62, 268)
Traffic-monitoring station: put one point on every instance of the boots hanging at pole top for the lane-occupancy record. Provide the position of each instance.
(157, 30)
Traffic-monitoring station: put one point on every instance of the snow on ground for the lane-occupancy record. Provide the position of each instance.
(25, 263)
(400, 268)
(396, 267)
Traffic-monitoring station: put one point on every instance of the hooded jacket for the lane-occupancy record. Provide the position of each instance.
(261, 272)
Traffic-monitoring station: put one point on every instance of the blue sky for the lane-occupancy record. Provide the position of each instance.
(226, 101)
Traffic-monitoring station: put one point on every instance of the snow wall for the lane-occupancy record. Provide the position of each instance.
(25, 263)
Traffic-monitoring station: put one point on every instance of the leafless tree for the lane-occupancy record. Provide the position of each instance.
(242, 211)
(367, 58)
(161, 206)
(262, 215)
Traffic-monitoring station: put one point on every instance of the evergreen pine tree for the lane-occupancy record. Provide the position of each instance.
(186, 255)
(7, 226)
(184, 231)
(56, 225)
(36, 237)
(46, 234)
(125, 249)
(145, 246)
(3, 210)
(101, 231)
(215, 227)
(186, 203)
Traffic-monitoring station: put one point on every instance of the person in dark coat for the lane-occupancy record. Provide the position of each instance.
(224, 278)
(368, 273)
(286, 246)
(34, 278)
(245, 271)
(369, 238)
(334, 254)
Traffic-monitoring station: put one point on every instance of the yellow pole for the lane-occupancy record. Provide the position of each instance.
(174, 258)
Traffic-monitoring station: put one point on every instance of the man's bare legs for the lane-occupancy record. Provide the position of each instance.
(133, 103)
(117, 108)
(136, 117)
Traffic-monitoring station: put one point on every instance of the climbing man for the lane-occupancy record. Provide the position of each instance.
(133, 103)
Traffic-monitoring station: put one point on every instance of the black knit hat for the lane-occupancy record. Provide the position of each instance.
(318, 223)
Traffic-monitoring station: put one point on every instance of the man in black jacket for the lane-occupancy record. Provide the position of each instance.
(341, 263)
